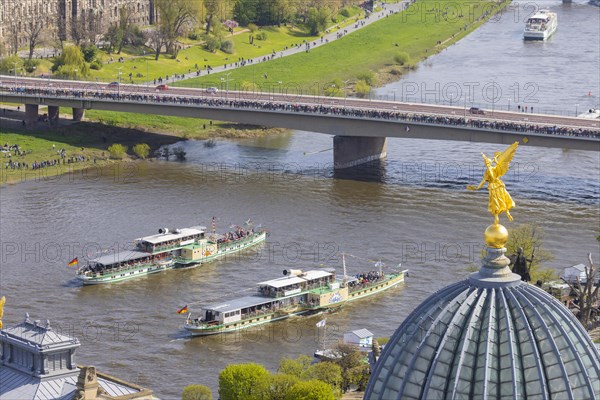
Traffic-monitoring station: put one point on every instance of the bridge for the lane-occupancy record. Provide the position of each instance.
(360, 127)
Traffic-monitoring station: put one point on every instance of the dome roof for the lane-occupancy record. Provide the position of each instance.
(489, 336)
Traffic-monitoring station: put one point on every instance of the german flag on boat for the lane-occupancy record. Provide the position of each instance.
(183, 310)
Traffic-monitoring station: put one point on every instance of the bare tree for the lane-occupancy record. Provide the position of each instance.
(156, 40)
(34, 31)
(175, 16)
(587, 293)
(12, 37)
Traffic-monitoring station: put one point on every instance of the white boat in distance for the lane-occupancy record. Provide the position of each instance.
(540, 25)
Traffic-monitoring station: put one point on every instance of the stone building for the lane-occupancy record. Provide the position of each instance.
(37, 362)
(65, 19)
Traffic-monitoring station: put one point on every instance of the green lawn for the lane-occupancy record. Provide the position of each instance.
(369, 49)
(146, 66)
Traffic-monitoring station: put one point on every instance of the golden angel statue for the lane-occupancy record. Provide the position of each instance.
(2, 301)
(500, 200)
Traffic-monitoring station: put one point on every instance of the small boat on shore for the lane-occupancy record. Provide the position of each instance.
(296, 293)
(540, 25)
(170, 248)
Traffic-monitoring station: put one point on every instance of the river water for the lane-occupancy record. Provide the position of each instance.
(495, 68)
(413, 209)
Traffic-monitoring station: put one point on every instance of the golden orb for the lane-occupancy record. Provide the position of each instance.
(496, 236)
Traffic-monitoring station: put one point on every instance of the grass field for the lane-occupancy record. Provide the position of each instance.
(147, 66)
(417, 31)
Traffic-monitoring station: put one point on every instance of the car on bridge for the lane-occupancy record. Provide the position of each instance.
(113, 85)
(212, 90)
(162, 88)
(476, 110)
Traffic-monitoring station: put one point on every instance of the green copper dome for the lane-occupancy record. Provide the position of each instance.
(490, 336)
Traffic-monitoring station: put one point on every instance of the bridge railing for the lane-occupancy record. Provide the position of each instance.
(93, 93)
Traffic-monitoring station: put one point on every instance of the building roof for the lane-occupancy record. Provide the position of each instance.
(121, 256)
(242, 302)
(362, 333)
(489, 336)
(40, 335)
(173, 235)
(15, 385)
(294, 279)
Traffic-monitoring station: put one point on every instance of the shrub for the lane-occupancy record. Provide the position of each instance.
(97, 65)
(401, 58)
(345, 12)
(141, 150)
(30, 65)
(252, 27)
(89, 52)
(227, 46)
(213, 43)
(362, 89)
(117, 151)
(367, 76)
(7, 64)
(395, 71)
(196, 392)
(261, 35)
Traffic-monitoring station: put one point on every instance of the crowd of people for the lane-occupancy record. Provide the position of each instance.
(364, 279)
(314, 108)
(238, 234)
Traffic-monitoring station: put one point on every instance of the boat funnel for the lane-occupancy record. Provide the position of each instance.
(163, 230)
(292, 272)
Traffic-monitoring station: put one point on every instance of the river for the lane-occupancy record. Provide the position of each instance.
(495, 68)
(413, 209)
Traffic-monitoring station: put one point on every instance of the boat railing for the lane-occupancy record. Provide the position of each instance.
(126, 268)
(244, 239)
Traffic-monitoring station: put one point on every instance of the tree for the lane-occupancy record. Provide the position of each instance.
(317, 19)
(328, 372)
(359, 376)
(280, 385)
(7, 65)
(243, 382)
(349, 357)
(587, 293)
(142, 150)
(529, 237)
(156, 40)
(310, 390)
(117, 151)
(175, 16)
(196, 392)
(34, 30)
(71, 63)
(295, 367)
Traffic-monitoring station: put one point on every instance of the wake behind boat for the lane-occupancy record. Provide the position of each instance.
(168, 249)
(540, 25)
(296, 293)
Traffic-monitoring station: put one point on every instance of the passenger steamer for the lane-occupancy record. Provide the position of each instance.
(168, 249)
(294, 294)
(540, 25)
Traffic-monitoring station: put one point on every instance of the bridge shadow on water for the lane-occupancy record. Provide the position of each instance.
(373, 171)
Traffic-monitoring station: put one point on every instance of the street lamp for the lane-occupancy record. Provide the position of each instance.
(280, 82)
(394, 90)
(15, 65)
(119, 83)
(345, 93)
(576, 109)
(226, 80)
(509, 104)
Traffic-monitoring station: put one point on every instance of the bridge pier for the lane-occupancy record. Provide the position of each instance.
(53, 115)
(350, 151)
(31, 115)
(78, 114)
